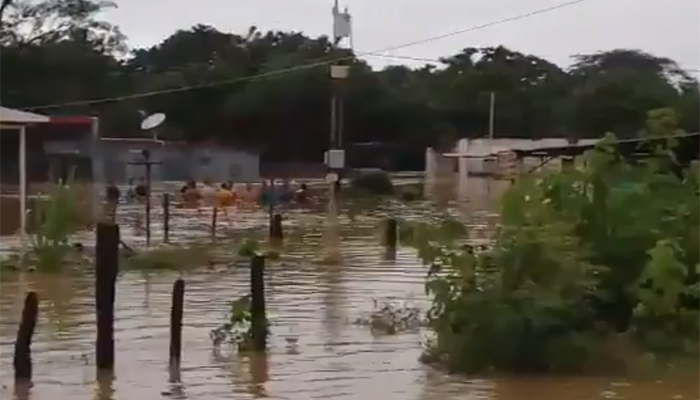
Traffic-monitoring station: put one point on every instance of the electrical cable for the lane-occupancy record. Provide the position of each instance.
(444, 61)
(301, 67)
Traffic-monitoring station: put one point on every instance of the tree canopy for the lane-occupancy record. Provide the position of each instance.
(58, 52)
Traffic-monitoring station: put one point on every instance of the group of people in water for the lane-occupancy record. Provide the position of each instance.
(225, 195)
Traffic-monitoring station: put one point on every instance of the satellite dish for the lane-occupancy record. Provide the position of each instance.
(152, 121)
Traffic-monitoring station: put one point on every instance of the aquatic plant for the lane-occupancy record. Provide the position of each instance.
(53, 223)
(248, 247)
(391, 318)
(237, 328)
(582, 258)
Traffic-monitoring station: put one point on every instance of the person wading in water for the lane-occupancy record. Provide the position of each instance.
(190, 194)
(130, 191)
(141, 190)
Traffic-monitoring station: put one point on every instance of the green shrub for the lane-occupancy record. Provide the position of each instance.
(373, 183)
(53, 222)
(582, 257)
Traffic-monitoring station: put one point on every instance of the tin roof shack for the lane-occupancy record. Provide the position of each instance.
(24, 160)
(41, 164)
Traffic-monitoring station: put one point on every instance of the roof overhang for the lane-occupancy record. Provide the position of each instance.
(16, 118)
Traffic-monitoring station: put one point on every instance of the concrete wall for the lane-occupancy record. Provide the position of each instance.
(178, 162)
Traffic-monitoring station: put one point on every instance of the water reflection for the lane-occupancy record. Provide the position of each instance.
(104, 386)
(333, 296)
(176, 389)
(22, 391)
(389, 254)
(59, 300)
(259, 373)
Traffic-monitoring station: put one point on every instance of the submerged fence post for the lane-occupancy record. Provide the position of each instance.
(176, 312)
(214, 217)
(106, 270)
(23, 353)
(390, 233)
(390, 239)
(166, 217)
(276, 232)
(257, 303)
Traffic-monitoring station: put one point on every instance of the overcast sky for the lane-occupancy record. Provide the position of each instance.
(669, 28)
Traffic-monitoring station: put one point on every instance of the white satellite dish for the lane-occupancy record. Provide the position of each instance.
(152, 121)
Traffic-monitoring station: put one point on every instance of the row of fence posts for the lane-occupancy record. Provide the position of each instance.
(106, 272)
(275, 223)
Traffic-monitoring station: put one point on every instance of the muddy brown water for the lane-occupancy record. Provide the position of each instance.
(310, 304)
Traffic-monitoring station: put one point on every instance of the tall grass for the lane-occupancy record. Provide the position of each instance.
(54, 222)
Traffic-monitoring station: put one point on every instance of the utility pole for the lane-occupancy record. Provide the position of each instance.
(147, 163)
(335, 156)
(492, 109)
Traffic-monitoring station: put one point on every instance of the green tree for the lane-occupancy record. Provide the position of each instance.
(60, 51)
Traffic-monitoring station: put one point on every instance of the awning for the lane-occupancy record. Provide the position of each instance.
(11, 118)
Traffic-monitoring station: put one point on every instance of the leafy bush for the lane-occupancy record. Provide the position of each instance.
(53, 223)
(582, 258)
(373, 183)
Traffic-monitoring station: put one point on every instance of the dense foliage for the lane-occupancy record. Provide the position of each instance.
(59, 51)
(586, 264)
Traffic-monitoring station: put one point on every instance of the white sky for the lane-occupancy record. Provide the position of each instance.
(669, 28)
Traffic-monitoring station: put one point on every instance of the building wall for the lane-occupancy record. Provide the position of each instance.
(220, 165)
(485, 146)
(177, 162)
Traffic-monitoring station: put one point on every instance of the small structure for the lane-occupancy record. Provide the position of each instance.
(38, 127)
(489, 158)
(20, 120)
(505, 158)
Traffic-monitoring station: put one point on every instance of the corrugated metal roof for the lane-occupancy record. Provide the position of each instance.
(18, 117)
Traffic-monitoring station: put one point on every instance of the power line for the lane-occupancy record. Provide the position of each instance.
(410, 58)
(445, 60)
(301, 67)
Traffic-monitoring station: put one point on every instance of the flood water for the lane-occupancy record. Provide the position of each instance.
(310, 304)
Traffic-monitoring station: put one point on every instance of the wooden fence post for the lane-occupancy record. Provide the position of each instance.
(276, 232)
(166, 217)
(106, 270)
(23, 353)
(390, 233)
(257, 304)
(214, 216)
(176, 312)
